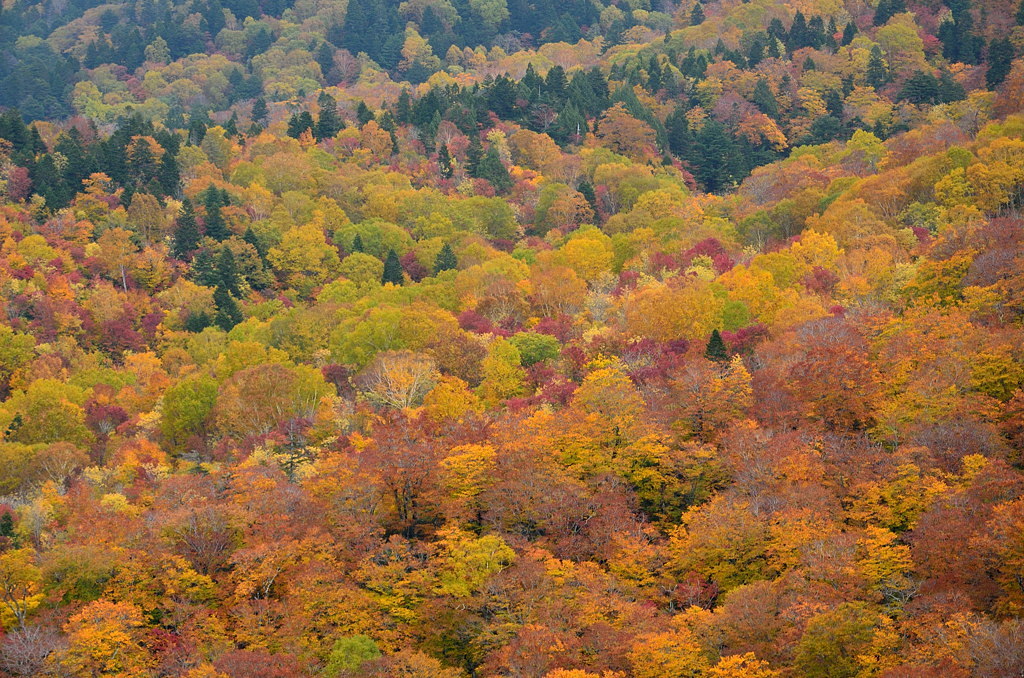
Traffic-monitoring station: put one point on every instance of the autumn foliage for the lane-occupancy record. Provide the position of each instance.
(558, 340)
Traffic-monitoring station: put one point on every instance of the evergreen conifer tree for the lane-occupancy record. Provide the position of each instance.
(877, 74)
(227, 271)
(214, 223)
(7, 528)
(328, 123)
(204, 268)
(474, 154)
(444, 162)
(250, 237)
(445, 260)
(764, 99)
(363, 113)
(186, 234)
(697, 15)
(493, 170)
(715, 350)
(392, 269)
(849, 33)
(299, 123)
(260, 112)
(228, 313)
(1000, 60)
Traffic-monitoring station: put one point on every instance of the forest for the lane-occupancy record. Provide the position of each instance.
(512, 338)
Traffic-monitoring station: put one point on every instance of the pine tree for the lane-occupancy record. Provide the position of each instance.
(798, 34)
(921, 88)
(186, 234)
(204, 268)
(586, 189)
(228, 313)
(251, 238)
(830, 34)
(569, 127)
(444, 162)
(445, 260)
(849, 33)
(474, 154)
(715, 350)
(363, 113)
(887, 9)
(357, 244)
(231, 126)
(764, 99)
(717, 159)
(493, 170)
(1000, 60)
(1020, 14)
(227, 271)
(7, 528)
(260, 112)
(697, 15)
(299, 123)
(214, 223)
(328, 123)
(325, 59)
(677, 131)
(959, 41)
(877, 74)
(392, 269)
(403, 108)
(169, 176)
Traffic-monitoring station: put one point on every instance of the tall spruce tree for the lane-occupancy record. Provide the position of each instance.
(260, 112)
(849, 33)
(444, 162)
(493, 170)
(764, 99)
(328, 122)
(474, 154)
(715, 350)
(697, 15)
(1000, 60)
(299, 123)
(877, 74)
(227, 271)
(886, 9)
(186, 233)
(214, 223)
(363, 113)
(228, 313)
(392, 269)
(445, 260)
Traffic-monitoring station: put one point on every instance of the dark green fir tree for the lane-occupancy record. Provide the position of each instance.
(392, 269)
(445, 260)
(697, 15)
(228, 313)
(715, 350)
(186, 233)
(444, 162)
(328, 123)
(227, 271)
(493, 170)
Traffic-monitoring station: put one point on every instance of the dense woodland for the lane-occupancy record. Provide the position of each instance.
(512, 338)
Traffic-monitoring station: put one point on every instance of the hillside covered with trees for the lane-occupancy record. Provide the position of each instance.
(512, 338)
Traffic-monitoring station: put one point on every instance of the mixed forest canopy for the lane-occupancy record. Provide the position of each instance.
(512, 338)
